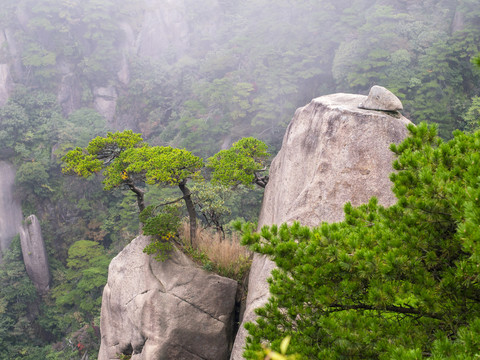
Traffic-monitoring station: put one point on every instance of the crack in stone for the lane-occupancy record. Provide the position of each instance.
(196, 307)
(143, 292)
(188, 351)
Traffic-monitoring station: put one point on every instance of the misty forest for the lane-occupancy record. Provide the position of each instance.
(161, 117)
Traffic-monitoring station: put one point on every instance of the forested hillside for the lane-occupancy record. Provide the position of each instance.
(194, 75)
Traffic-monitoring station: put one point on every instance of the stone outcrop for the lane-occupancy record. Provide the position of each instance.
(69, 94)
(35, 254)
(165, 310)
(333, 152)
(10, 210)
(105, 101)
(6, 84)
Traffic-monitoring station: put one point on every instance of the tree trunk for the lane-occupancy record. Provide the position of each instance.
(139, 193)
(192, 214)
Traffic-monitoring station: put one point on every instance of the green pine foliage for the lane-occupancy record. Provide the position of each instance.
(241, 164)
(386, 283)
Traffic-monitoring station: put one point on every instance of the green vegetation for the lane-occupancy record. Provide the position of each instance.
(386, 283)
(126, 161)
(16, 294)
(269, 354)
(241, 164)
(106, 155)
(84, 279)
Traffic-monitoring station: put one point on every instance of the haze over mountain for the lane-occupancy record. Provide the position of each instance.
(188, 74)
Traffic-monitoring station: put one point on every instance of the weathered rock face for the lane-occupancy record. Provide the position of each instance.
(6, 84)
(163, 29)
(10, 210)
(333, 152)
(35, 254)
(69, 94)
(105, 101)
(164, 310)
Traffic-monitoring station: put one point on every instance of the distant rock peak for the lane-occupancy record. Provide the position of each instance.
(35, 254)
(10, 209)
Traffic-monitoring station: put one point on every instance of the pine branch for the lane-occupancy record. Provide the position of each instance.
(390, 308)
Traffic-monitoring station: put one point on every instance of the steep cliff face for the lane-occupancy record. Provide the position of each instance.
(165, 310)
(10, 211)
(6, 83)
(333, 152)
(164, 29)
(35, 254)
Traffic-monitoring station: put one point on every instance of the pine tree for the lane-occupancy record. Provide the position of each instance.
(386, 283)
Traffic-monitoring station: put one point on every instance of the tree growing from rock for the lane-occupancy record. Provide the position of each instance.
(386, 283)
(166, 166)
(105, 155)
(127, 162)
(242, 164)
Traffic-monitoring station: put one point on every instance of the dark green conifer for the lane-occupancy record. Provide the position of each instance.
(386, 283)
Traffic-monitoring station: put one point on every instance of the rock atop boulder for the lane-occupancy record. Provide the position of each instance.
(382, 99)
(333, 152)
(35, 254)
(155, 310)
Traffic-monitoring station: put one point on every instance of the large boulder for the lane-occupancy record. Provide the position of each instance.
(35, 254)
(333, 152)
(165, 310)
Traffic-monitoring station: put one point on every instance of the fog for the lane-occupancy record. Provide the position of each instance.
(180, 71)
(191, 74)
